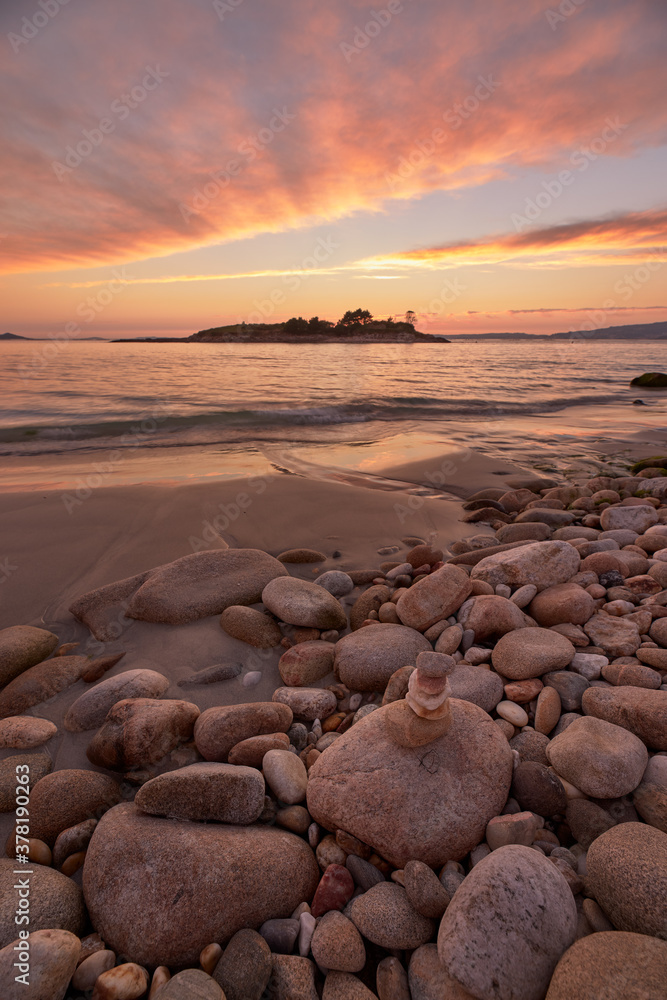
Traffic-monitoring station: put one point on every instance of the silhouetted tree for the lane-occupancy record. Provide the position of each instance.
(356, 317)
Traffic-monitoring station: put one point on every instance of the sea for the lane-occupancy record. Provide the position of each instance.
(207, 410)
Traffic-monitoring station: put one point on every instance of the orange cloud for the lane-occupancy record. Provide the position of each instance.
(263, 121)
(624, 239)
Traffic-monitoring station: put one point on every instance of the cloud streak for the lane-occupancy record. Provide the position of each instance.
(354, 120)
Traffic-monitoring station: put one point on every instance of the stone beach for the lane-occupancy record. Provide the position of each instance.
(450, 784)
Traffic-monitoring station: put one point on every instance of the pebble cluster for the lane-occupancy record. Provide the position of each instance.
(475, 807)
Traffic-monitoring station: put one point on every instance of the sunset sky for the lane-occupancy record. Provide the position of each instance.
(168, 166)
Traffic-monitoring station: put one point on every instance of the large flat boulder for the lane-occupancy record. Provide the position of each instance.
(192, 587)
(543, 564)
(160, 890)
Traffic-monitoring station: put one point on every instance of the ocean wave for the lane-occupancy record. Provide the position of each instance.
(168, 429)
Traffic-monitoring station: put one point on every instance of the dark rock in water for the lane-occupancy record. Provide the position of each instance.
(211, 675)
(611, 579)
(21, 647)
(654, 462)
(43, 681)
(651, 380)
(160, 890)
(638, 402)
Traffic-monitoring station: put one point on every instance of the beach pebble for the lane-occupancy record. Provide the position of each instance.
(566, 602)
(392, 980)
(514, 828)
(508, 925)
(294, 818)
(251, 626)
(93, 966)
(364, 874)
(213, 674)
(280, 934)
(478, 685)
(429, 979)
(337, 945)
(125, 982)
(638, 518)
(252, 678)
(570, 688)
(299, 602)
(22, 647)
(67, 797)
(437, 596)
(22, 733)
(653, 657)
(41, 682)
(245, 967)
(620, 966)
(523, 531)
(365, 660)
(301, 556)
(384, 915)
(190, 984)
(51, 961)
(531, 652)
(541, 563)
(530, 746)
(306, 703)
(335, 889)
(33, 767)
(328, 852)
(90, 709)
(615, 636)
(253, 873)
(489, 617)
(603, 760)
(336, 582)
(547, 710)
(73, 840)
(425, 891)
(538, 790)
(138, 732)
(285, 775)
(650, 797)
(448, 640)
(345, 986)
(206, 791)
(219, 729)
(633, 674)
(250, 752)
(394, 799)
(524, 595)
(552, 516)
(587, 821)
(639, 710)
(291, 976)
(55, 902)
(627, 876)
(513, 713)
(306, 663)
(589, 665)
(367, 605)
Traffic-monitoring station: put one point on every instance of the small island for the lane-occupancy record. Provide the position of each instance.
(356, 327)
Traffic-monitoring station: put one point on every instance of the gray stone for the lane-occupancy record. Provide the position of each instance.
(478, 685)
(570, 687)
(336, 582)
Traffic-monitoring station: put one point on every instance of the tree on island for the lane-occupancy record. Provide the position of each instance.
(356, 317)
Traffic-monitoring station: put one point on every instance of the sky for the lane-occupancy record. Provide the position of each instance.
(167, 167)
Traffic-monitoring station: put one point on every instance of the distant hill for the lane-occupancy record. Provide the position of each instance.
(12, 336)
(638, 331)
(382, 331)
